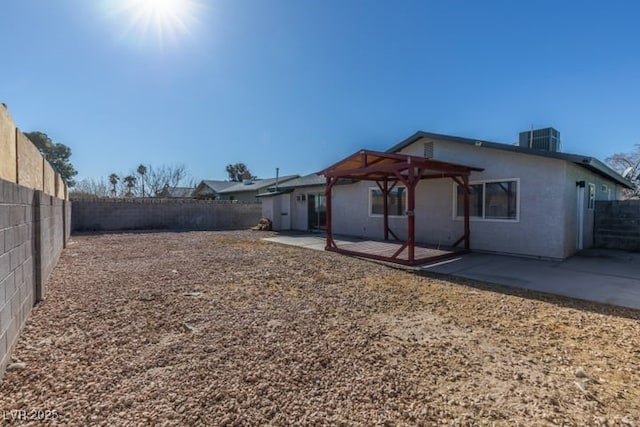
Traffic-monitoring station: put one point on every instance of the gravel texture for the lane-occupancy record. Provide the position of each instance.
(221, 328)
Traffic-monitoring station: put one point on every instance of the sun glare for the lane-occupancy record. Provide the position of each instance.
(163, 22)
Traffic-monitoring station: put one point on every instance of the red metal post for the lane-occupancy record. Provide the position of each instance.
(327, 193)
(411, 206)
(385, 196)
(467, 231)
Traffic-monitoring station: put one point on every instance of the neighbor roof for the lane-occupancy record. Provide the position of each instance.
(590, 163)
(310, 180)
(178, 192)
(216, 186)
(256, 185)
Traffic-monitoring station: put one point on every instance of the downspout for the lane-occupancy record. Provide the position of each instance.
(579, 238)
(531, 137)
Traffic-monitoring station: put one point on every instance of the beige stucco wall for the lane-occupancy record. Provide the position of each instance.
(49, 176)
(60, 187)
(7, 146)
(22, 163)
(29, 164)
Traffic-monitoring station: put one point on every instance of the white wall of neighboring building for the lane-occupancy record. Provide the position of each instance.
(298, 207)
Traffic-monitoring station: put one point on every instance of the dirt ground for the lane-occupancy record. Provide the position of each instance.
(220, 328)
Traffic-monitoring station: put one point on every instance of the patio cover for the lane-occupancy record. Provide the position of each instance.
(387, 170)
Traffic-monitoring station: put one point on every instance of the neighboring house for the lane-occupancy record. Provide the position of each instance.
(298, 204)
(177, 193)
(210, 189)
(248, 190)
(526, 199)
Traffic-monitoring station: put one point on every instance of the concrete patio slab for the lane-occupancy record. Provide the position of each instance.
(606, 276)
(600, 275)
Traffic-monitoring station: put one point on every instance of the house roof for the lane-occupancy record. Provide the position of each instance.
(310, 180)
(213, 185)
(375, 165)
(177, 192)
(256, 185)
(589, 163)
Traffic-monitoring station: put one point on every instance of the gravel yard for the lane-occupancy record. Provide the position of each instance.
(221, 328)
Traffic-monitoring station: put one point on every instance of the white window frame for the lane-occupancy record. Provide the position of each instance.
(482, 218)
(371, 214)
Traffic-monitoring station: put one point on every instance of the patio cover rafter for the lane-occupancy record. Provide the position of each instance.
(393, 167)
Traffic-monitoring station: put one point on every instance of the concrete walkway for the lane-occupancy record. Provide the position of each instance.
(606, 276)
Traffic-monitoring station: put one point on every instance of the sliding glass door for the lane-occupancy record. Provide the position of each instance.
(317, 211)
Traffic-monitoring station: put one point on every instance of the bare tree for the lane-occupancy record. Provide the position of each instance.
(165, 177)
(628, 165)
(90, 188)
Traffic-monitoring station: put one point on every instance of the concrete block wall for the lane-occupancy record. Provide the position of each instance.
(159, 214)
(17, 261)
(617, 225)
(34, 225)
(33, 232)
(49, 237)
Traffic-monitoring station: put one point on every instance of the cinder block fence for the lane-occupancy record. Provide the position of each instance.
(35, 219)
(617, 225)
(36, 222)
(163, 214)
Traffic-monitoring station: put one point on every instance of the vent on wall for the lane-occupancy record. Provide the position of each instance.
(428, 150)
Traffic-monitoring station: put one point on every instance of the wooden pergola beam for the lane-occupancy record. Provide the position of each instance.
(393, 167)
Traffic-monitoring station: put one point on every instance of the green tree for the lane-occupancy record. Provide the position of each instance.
(237, 171)
(113, 179)
(142, 171)
(57, 154)
(130, 181)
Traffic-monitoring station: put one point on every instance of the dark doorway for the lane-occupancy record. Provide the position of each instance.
(317, 211)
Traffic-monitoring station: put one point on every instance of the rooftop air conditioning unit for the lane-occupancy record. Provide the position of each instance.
(547, 139)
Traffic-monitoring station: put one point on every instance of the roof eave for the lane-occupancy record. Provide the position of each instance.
(591, 163)
(601, 169)
(276, 193)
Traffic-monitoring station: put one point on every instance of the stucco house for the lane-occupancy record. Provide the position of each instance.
(527, 199)
(297, 204)
(210, 189)
(248, 189)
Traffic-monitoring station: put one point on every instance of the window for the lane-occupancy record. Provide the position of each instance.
(491, 200)
(606, 190)
(396, 201)
(592, 196)
(476, 192)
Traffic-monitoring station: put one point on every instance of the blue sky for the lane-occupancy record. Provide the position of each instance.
(300, 84)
